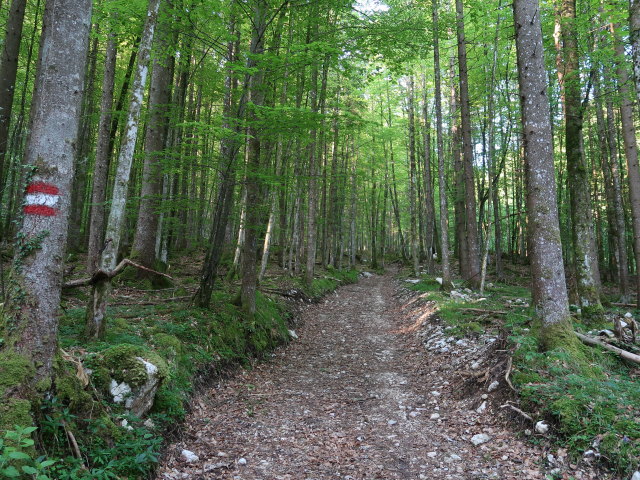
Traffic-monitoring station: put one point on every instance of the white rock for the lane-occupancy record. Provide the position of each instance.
(475, 365)
(188, 456)
(392, 422)
(606, 333)
(455, 458)
(435, 393)
(432, 454)
(434, 416)
(482, 407)
(242, 461)
(589, 454)
(480, 438)
(125, 424)
(484, 396)
(628, 315)
(636, 476)
(623, 324)
(439, 280)
(366, 274)
(412, 280)
(119, 391)
(494, 385)
(542, 427)
(414, 413)
(293, 334)
(141, 399)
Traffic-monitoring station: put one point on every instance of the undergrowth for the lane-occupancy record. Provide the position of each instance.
(595, 408)
(188, 344)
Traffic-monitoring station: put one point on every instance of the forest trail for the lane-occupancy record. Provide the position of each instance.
(356, 397)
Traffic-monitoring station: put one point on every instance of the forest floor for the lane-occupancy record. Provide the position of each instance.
(358, 396)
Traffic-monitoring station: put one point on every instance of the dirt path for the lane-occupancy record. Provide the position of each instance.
(356, 397)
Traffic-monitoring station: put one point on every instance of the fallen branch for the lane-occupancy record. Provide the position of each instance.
(517, 410)
(103, 274)
(506, 375)
(632, 357)
(630, 305)
(483, 310)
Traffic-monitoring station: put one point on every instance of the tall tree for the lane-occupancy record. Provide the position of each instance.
(157, 129)
(96, 312)
(30, 337)
(8, 71)
(585, 257)
(549, 288)
(471, 226)
(442, 186)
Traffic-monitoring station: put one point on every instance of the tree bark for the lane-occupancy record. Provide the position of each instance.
(413, 232)
(253, 184)
(8, 71)
(631, 154)
(471, 227)
(101, 164)
(96, 311)
(586, 261)
(549, 289)
(39, 255)
(442, 186)
(157, 129)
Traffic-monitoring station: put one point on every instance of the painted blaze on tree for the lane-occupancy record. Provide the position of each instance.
(29, 321)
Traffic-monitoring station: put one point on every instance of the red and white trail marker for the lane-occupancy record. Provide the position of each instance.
(41, 199)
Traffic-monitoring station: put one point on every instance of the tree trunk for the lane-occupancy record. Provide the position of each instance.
(32, 340)
(144, 242)
(549, 289)
(586, 261)
(442, 186)
(471, 230)
(413, 233)
(8, 71)
(96, 311)
(253, 186)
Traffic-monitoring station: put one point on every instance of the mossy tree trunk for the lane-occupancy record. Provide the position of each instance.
(549, 289)
(29, 321)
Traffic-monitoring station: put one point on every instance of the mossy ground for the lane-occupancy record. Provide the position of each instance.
(591, 396)
(187, 344)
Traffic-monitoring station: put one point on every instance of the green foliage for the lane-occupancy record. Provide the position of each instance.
(17, 458)
(598, 405)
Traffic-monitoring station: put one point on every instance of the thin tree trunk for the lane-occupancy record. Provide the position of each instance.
(413, 233)
(157, 129)
(442, 186)
(586, 261)
(631, 154)
(471, 230)
(96, 312)
(8, 72)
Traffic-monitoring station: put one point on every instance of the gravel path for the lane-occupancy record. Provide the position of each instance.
(356, 397)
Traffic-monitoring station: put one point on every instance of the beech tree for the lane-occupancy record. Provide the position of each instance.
(29, 322)
(549, 289)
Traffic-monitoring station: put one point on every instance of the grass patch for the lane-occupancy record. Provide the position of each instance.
(598, 407)
(187, 344)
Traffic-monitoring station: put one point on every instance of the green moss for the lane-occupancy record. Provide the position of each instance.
(170, 345)
(14, 369)
(15, 412)
(71, 392)
(592, 314)
(124, 366)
